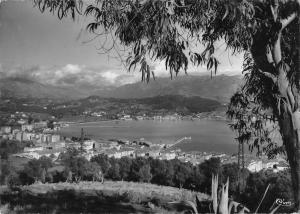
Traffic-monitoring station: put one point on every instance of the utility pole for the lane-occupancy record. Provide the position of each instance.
(81, 140)
(241, 156)
(241, 163)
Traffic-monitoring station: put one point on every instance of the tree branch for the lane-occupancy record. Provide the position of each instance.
(269, 55)
(274, 9)
(276, 52)
(269, 75)
(288, 20)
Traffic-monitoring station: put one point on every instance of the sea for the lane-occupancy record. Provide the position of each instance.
(206, 135)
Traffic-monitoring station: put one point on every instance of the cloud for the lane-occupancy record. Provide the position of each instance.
(110, 76)
(71, 75)
(70, 68)
(19, 72)
(83, 76)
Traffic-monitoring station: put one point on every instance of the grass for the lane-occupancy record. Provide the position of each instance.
(136, 192)
(108, 196)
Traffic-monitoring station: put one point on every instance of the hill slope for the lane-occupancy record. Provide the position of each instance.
(24, 88)
(95, 197)
(162, 104)
(219, 88)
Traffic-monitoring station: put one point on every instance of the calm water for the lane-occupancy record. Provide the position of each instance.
(208, 136)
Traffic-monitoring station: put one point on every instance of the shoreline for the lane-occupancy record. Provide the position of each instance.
(120, 120)
(159, 132)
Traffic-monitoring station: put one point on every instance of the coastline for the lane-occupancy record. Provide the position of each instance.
(207, 135)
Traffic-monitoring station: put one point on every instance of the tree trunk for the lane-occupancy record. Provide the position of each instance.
(289, 128)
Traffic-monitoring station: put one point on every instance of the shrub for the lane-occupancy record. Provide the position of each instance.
(13, 181)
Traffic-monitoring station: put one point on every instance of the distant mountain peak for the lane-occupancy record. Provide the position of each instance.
(220, 87)
(18, 87)
(18, 79)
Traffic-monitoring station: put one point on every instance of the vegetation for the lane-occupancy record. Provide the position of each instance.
(114, 193)
(8, 147)
(150, 106)
(167, 104)
(173, 173)
(266, 31)
(221, 203)
(95, 197)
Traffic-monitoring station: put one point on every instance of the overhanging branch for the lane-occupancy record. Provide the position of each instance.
(288, 20)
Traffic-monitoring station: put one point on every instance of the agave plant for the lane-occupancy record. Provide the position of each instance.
(222, 204)
(220, 201)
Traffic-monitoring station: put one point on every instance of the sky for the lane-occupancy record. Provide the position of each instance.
(41, 47)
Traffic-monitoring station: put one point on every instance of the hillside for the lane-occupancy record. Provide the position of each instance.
(24, 88)
(219, 88)
(95, 197)
(151, 105)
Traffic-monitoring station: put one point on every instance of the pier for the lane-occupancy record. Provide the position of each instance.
(182, 140)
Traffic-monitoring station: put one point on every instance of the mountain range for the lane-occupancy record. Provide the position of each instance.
(24, 88)
(218, 88)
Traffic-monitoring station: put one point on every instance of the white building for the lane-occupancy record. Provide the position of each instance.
(21, 121)
(27, 136)
(119, 154)
(126, 117)
(154, 154)
(55, 138)
(30, 155)
(7, 136)
(168, 156)
(88, 144)
(19, 136)
(46, 138)
(33, 149)
(42, 124)
(281, 166)
(139, 117)
(27, 127)
(5, 129)
(256, 166)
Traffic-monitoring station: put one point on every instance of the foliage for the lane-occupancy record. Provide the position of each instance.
(280, 188)
(145, 173)
(85, 197)
(182, 172)
(43, 176)
(45, 162)
(103, 162)
(168, 30)
(35, 170)
(78, 168)
(125, 164)
(162, 172)
(184, 31)
(114, 170)
(254, 125)
(207, 168)
(13, 180)
(8, 147)
(50, 124)
(5, 170)
(70, 153)
(233, 172)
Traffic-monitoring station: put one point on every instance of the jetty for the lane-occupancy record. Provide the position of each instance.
(181, 140)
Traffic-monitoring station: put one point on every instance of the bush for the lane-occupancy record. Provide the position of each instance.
(13, 180)
(280, 187)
